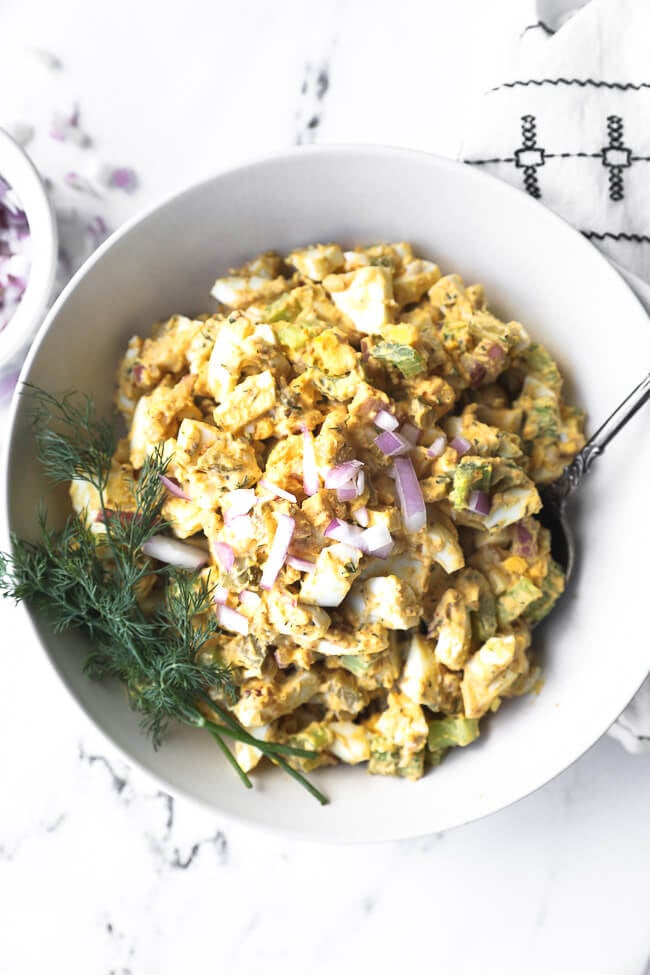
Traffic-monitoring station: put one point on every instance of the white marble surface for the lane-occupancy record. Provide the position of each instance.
(100, 872)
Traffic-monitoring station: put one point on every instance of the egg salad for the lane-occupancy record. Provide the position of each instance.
(354, 446)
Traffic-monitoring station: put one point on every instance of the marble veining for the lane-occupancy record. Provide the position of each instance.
(102, 872)
(312, 102)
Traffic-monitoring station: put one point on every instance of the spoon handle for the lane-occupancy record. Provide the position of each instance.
(572, 476)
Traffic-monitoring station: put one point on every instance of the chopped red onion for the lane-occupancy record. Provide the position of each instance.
(385, 551)
(409, 493)
(392, 444)
(174, 552)
(496, 353)
(249, 599)
(341, 531)
(278, 551)
(479, 502)
(361, 482)
(437, 447)
(225, 555)
(371, 541)
(410, 432)
(311, 480)
(231, 620)
(124, 178)
(376, 540)
(97, 230)
(302, 565)
(277, 491)
(236, 503)
(477, 374)
(523, 543)
(337, 476)
(124, 516)
(361, 516)
(460, 445)
(64, 127)
(220, 595)
(172, 485)
(15, 253)
(386, 421)
(348, 492)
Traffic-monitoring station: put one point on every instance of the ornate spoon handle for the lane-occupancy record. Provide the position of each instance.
(572, 476)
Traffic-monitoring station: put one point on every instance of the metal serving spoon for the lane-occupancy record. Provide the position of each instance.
(554, 496)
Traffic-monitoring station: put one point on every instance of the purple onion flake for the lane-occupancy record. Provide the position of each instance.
(124, 178)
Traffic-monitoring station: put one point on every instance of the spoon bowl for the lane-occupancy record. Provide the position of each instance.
(555, 496)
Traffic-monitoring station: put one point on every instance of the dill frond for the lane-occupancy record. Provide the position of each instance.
(90, 578)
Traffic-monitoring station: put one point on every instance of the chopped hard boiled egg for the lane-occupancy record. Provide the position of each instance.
(354, 444)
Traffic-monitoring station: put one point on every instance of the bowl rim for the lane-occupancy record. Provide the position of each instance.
(345, 149)
(23, 177)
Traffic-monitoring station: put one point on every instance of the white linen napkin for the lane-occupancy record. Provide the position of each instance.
(569, 123)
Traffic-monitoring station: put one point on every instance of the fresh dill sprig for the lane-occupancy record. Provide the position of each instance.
(73, 442)
(95, 577)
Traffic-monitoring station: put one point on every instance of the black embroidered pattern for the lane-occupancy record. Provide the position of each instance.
(608, 235)
(616, 156)
(540, 25)
(581, 82)
(530, 157)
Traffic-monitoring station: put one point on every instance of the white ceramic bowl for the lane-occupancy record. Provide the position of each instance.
(535, 268)
(19, 171)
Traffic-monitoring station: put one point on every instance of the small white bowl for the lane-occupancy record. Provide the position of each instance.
(535, 268)
(18, 170)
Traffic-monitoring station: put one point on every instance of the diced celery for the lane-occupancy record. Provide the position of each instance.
(451, 732)
(514, 601)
